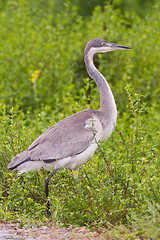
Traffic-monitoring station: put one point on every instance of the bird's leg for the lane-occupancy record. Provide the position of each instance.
(75, 175)
(46, 182)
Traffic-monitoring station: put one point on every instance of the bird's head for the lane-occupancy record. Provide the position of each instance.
(98, 45)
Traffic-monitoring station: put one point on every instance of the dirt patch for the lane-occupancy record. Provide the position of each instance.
(52, 233)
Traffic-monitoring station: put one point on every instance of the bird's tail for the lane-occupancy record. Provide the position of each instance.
(23, 163)
(19, 159)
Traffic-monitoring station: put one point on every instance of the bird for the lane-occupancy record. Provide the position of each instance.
(71, 142)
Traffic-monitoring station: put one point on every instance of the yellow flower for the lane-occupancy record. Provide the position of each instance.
(37, 71)
(34, 76)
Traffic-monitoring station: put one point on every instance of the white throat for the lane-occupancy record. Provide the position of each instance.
(107, 105)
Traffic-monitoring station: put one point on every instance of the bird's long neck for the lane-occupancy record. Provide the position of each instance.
(107, 102)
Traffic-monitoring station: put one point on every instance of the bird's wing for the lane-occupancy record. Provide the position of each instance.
(67, 138)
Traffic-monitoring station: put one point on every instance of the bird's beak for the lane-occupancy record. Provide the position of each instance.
(113, 47)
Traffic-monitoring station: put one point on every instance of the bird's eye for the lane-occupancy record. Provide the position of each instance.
(103, 43)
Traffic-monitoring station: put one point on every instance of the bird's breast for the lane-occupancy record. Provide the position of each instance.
(108, 131)
(109, 123)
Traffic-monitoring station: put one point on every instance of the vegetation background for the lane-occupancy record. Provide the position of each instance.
(43, 80)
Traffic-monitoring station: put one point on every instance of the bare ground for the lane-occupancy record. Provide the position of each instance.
(52, 233)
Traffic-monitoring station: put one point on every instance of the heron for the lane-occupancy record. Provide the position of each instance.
(73, 140)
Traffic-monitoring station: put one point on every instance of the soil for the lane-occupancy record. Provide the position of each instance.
(52, 233)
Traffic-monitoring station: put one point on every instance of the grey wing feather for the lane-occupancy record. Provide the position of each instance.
(66, 138)
(20, 158)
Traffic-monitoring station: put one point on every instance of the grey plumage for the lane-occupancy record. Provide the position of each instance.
(73, 140)
(67, 138)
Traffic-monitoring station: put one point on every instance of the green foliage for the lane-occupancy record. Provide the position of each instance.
(43, 80)
(31, 42)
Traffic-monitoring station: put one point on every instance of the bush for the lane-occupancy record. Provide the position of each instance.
(43, 80)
